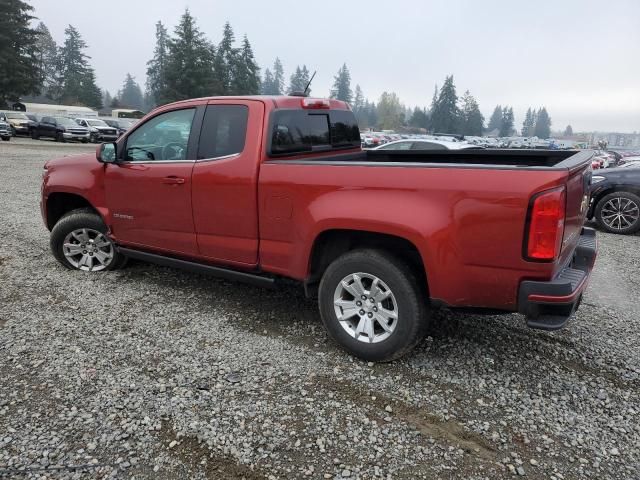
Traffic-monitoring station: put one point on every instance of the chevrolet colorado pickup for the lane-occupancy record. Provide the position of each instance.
(264, 188)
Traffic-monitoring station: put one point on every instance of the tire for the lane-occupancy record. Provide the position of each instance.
(34, 135)
(6, 139)
(84, 140)
(60, 137)
(407, 300)
(80, 228)
(625, 203)
(13, 132)
(92, 138)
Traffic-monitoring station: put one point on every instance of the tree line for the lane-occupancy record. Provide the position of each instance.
(186, 64)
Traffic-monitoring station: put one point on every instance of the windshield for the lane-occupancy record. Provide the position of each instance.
(17, 116)
(97, 123)
(66, 122)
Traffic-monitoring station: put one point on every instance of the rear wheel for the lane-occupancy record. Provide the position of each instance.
(79, 241)
(60, 137)
(619, 212)
(34, 135)
(372, 305)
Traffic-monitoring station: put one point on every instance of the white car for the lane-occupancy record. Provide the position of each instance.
(422, 144)
(99, 131)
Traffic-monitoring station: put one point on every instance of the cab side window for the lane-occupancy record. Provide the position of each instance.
(164, 137)
(224, 130)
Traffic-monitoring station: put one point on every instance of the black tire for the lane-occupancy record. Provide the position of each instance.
(74, 220)
(84, 140)
(412, 321)
(92, 138)
(34, 135)
(633, 208)
(6, 139)
(60, 137)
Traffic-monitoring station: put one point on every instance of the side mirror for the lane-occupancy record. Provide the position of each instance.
(107, 152)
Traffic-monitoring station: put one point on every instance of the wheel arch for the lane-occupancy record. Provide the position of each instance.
(61, 203)
(613, 189)
(332, 243)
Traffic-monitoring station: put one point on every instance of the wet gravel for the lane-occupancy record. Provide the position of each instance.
(150, 372)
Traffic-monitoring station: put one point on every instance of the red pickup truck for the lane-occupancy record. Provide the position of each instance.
(262, 188)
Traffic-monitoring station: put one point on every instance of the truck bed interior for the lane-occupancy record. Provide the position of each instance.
(517, 158)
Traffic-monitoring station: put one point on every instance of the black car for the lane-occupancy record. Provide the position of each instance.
(61, 129)
(615, 200)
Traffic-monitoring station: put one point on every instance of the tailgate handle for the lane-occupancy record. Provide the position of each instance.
(173, 180)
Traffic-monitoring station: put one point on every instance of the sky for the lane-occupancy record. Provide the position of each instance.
(578, 58)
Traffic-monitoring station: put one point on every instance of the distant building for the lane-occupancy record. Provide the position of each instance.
(53, 110)
(620, 140)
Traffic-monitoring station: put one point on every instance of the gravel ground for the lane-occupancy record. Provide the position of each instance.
(150, 372)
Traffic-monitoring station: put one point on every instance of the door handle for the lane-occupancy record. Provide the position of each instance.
(173, 180)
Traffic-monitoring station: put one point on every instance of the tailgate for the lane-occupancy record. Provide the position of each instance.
(578, 186)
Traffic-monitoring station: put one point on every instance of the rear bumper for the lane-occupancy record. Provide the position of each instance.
(549, 305)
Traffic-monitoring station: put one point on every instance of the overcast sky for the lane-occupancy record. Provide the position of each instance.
(579, 58)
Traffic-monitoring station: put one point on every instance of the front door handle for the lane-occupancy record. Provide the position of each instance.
(173, 180)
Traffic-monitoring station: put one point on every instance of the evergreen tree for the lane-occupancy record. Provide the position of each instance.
(48, 62)
(495, 122)
(278, 77)
(189, 69)
(390, 112)
(131, 94)
(445, 114)
(268, 87)
(246, 78)
(76, 77)
(372, 114)
(528, 124)
(106, 98)
(543, 124)
(341, 89)
(157, 67)
(226, 63)
(295, 81)
(358, 100)
(472, 118)
(419, 118)
(506, 128)
(19, 60)
(568, 132)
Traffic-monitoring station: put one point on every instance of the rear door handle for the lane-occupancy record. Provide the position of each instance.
(173, 180)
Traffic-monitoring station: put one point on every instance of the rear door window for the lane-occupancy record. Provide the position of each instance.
(224, 130)
(428, 146)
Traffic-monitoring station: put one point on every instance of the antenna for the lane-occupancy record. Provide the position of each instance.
(309, 84)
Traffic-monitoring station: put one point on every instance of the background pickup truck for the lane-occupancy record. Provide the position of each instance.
(260, 188)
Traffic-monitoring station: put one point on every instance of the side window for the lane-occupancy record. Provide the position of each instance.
(398, 146)
(224, 130)
(164, 137)
(428, 146)
(344, 129)
(299, 131)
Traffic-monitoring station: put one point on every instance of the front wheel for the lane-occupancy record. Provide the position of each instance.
(79, 241)
(372, 305)
(6, 139)
(619, 212)
(60, 137)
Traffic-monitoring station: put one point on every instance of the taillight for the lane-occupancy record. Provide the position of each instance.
(316, 103)
(546, 225)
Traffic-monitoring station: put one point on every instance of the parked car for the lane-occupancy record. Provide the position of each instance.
(120, 124)
(18, 122)
(615, 200)
(419, 144)
(262, 188)
(99, 131)
(5, 131)
(61, 129)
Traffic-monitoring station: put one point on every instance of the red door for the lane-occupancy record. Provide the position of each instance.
(225, 176)
(149, 191)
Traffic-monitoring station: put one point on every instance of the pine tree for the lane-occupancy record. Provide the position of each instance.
(445, 114)
(227, 63)
(472, 118)
(568, 132)
(47, 61)
(76, 77)
(341, 89)
(189, 69)
(157, 67)
(246, 78)
(372, 114)
(495, 122)
(528, 124)
(543, 124)
(419, 118)
(267, 87)
(19, 63)
(106, 98)
(506, 127)
(358, 100)
(278, 77)
(295, 81)
(131, 94)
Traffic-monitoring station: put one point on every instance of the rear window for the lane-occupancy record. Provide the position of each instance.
(299, 131)
(224, 129)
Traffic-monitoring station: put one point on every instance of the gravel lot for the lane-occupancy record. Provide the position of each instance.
(150, 372)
